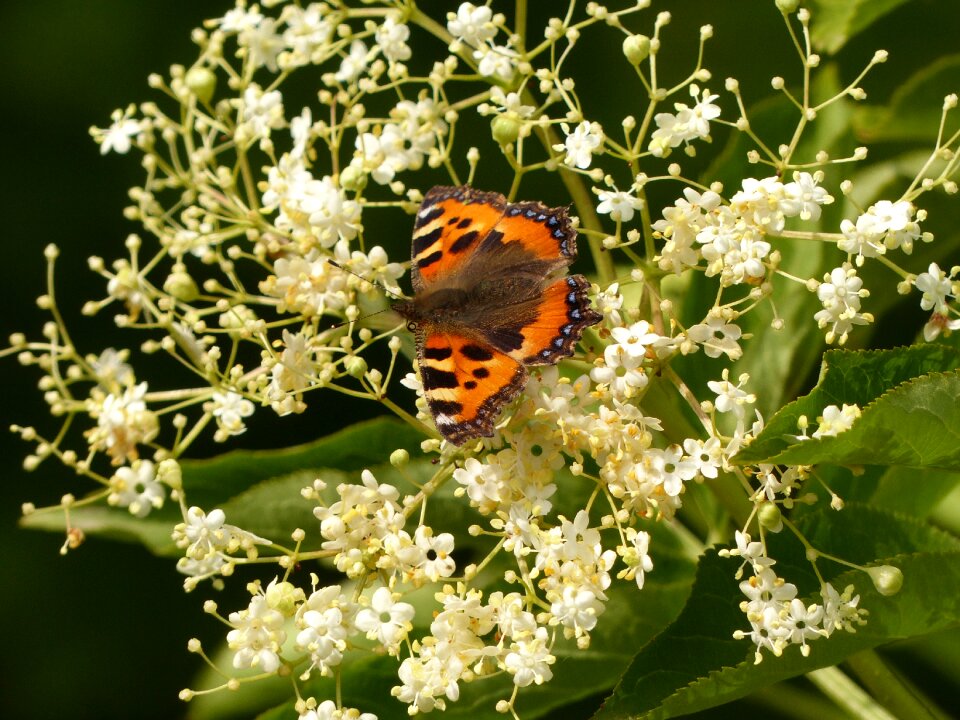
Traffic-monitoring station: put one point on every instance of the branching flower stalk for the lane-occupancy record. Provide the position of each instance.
(252, 186)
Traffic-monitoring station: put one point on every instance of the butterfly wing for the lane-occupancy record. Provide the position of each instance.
(465, 383)
(560, 317)
(450, 224)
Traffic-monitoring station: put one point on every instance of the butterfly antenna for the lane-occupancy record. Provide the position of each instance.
(372, 282)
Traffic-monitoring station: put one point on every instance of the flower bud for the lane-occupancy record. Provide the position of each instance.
(399, 458)
(284, 597)
(770, 517)
(505, 129)
(355, 366)
(636, 48)
(168, 472)
(202, 83)
(787, 7)
(181, 286)
(887, 579)
(353, 179)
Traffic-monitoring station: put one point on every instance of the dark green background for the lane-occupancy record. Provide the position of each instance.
(102, 632)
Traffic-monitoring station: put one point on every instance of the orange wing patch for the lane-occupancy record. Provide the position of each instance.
(451, 223)
(466, 383)
(563, 313)
(546, 233)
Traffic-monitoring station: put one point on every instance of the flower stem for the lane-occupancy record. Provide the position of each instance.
(895, 692)
(838, 686)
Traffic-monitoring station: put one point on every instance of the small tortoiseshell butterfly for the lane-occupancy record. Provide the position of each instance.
(490, 298)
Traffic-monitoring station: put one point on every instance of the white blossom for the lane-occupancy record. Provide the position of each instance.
(137, 488)
(619, 205)
(581, 144)
(471, 24)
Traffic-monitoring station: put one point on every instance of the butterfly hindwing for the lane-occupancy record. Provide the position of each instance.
(561, 316)
(466, 382)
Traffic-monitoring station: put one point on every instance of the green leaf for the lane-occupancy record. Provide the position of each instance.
(153, 531)
(259, 487)
(834, 22)
(696, 664)
(915, 108)
(910, 412)
(902, 489)
(212, 482)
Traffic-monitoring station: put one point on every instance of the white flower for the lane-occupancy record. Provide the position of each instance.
(325, 619)
(688, 124)
(936, 287)
(230, 408)
(291, 374)
(938, 323)
(386, 620)
(239, 19)
(307, 31)
(705, 456)
(353, 64)
(803, 196)
(581, 144)
(529, 660)
(425, 681)
(392, 39)
(669, 469)
(608, 302)
(633, 341)
(436, 550)
(509, 104)
(483, 482)
(884, 226)
(619, 205)
(762, 203)
(836, 420)
(328, 710)
(301, 129)
(137, 488)
(383, 155)
(717, 337)
(896, 221)
(311, 210)
(262, 111)
(123, 421)
(207, 541)
(111, 369)
(257, 636)
(840, 293)
(680, 226)
(471, 24)
(636, 556)
(263, 44)
(307, 284)
(730, 397)
(118, 136)
(496, 61)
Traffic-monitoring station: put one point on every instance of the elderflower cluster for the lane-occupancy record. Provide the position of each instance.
(778, 618)
(263, 266)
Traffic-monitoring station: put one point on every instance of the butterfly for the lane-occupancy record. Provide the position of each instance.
(491, 298)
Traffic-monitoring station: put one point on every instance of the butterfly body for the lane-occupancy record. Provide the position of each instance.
(490, 299)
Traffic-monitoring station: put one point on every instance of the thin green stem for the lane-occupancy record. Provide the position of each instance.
(895, 692)
(840, 688)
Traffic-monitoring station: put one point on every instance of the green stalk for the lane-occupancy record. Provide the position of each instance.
(895, 692)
